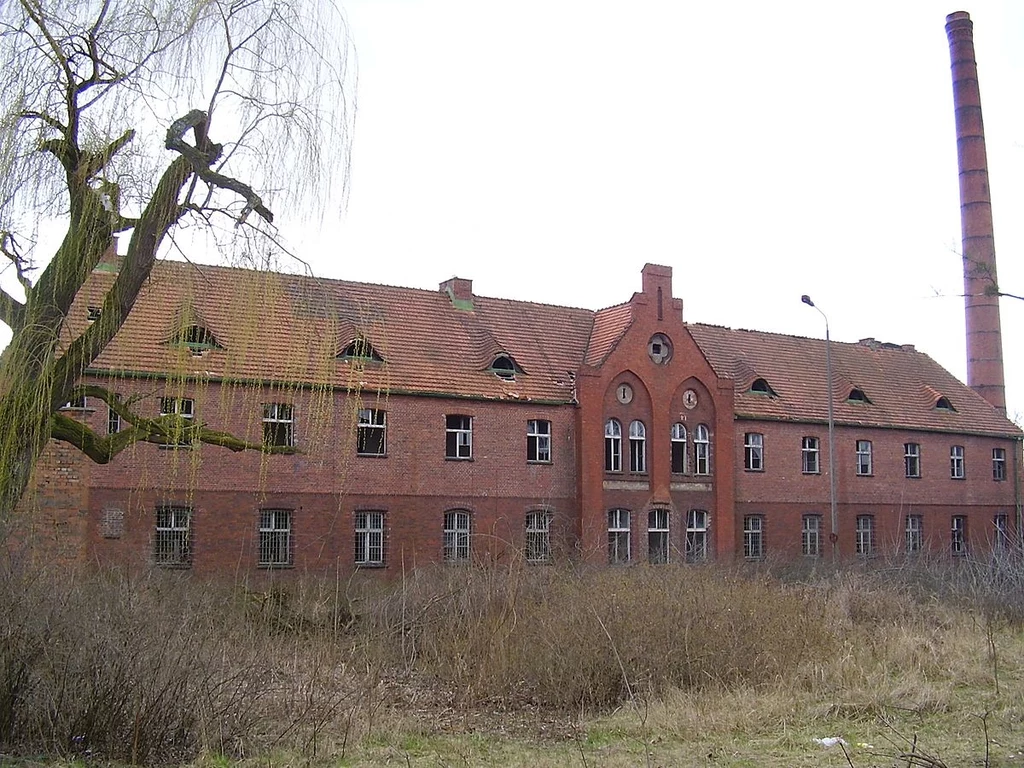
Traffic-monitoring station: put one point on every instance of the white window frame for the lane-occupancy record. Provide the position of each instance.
(999, 464)
(458, 528)
(810, 455)
(864, 458)
(958, 535)
(458, 443)
(956, 462)
(183, 407)
(914, 534)
(278, 424)
(372, 432)
(696, 536)
(753, 537)
(1001, 526)
(810, 535)
(538, 441)
(679, 450)
(912, 460)
(369, 538)
(612, 446)
(113, 421)
(619, 548)
(702, 450)
(637, 447)
(538, 537)
(172, 543)
(275, 538)
(658, 538)
(753, 452)
(865, 535)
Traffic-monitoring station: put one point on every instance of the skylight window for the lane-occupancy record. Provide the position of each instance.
(361, 349)
(504, 367)
(761, 387)
(943, 404)
(857, 396)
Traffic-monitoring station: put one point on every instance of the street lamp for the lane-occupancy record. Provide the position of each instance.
(834, 537)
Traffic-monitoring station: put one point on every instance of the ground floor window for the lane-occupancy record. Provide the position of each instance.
(696, 536)
(618, 536)
(456, 536)
(369, 538)
(753, 537)
(959, 535)
(810, 536)
(538, 537)
(172, 545)
(865, 535)
(914, 534)
(657, 536)
(275, 537)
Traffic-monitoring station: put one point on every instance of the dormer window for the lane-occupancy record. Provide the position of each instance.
(504, 367)
(943, 404)
(198, 339)
(761, 387)
(361, 349)
(857, 396)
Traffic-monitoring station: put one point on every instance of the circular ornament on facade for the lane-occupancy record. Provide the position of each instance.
(690, 399)
(624, 394)
(659, 349)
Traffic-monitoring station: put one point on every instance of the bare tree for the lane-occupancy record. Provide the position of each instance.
(145, 117)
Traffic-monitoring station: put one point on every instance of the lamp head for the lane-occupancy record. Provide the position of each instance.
(807, 300)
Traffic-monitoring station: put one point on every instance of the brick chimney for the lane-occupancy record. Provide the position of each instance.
(460, 291)
(981, 305)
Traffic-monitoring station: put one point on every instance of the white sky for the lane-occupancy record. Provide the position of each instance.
(547, 149)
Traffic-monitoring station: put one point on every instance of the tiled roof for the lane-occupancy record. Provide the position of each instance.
(286, 328)
(610, 325)
(901, 383)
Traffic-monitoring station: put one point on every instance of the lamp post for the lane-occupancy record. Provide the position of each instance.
(834, 537)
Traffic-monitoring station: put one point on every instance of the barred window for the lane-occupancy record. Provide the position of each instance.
(275, 537)
(538, 537)
(172, 544)
(456, 536)
(369, 538)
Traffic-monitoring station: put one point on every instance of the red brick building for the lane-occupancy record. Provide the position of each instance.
(440, 425)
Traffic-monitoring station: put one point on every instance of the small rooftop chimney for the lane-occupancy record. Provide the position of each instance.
(460, 291)
(981, 305)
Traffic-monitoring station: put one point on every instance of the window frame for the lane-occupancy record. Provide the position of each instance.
(372, 431)
(999, 465)
(458, 531)
(279, 417)
(619, 534)
(637, 447)
(865, 536)
(269, 535)
(659, 521)
(957, 464)
(458, 442)
(753, 452)
(538, 441)
(697, 525)
(178, 408)
(113, 421)
(958, 535)
(172, 542)
(537, 544)
(369, 540)
(810, 455)
(702, 450)
(753, 537)
(912, 460)
(613, 445)
(865, 461)
(810, 535)
(1001, 527)
(913, 534)
(679, 460)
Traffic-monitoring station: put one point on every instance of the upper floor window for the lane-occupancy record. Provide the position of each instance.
(618, 536)
(914, 534)
(956, 462)
(863, 457)
(504, 367)
(753, 452)
(810, 535)
(912, 459)
(275, 538)
(612, 446)
(113, 421)
(538, 440)
(278, 424)
(372, 432)
(369, 542)
(456, 536)
(183, 407)
(701, 450)
(538, 537)
(998, 464)
(959, 535)
(458, 437)
(679, 463)
(361, 350)
(865, 535)
(810, 456)
(197, 339)
(637, 447)
(696, 536)
(657, 536)
(857, 396)
(753, 537)
(172, 544)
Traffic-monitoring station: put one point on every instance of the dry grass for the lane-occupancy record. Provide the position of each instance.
(538, 666)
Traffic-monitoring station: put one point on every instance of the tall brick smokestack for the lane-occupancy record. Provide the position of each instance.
(981, 305)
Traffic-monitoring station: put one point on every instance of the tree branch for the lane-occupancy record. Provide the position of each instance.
(169, 430)
(12, 311)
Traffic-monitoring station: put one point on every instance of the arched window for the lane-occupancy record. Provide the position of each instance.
(612, 446)
(637, 447)
(701, 450)
(679, 463)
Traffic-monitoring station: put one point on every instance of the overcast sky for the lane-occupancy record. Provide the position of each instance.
(548, 149)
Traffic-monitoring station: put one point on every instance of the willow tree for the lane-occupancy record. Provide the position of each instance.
(144, 118)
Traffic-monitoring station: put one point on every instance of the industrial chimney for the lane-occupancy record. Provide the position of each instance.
(981, 305)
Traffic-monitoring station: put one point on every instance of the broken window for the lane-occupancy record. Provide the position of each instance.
(810, 455)
(637, 447)
(753, 452)
(278, 425)
(504, 367)
(185, 409)
(696, 536)
(959, 535)
(618, 536)
(863, 457)
(612, 446)
(679, 462)
(371, 432)
(657, 536)
(538, 440)
(458, 437)
(998, 464)
(361, 349)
